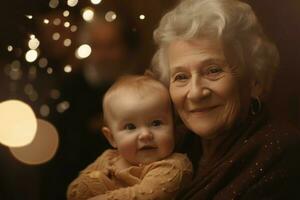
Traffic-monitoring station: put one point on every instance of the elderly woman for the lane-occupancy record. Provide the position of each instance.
(219, 66)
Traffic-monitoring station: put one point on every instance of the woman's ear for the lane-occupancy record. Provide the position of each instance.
(109, 136)
(256, 89)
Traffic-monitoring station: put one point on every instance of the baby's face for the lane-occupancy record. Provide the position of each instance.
(141, 125)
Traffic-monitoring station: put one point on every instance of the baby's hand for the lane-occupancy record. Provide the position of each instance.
(94, 174)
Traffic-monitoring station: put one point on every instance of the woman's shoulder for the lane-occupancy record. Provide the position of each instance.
(276, 134)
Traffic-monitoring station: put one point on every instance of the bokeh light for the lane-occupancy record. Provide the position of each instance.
(18, 123)
(46, 21)
(88, 14)
(83, 51)
(29, 16)
(95, 2)
(72, 3)
(56, 21)
(10, 48)
(73, 28)
(55, 36)
(67, 24)
(110, 16)
(31, 55)
(49, 70)
(63, 106)
(33, 43)
(68, 68)
(53, 3)
(66, 13)
(142, 17)
(43, 62)
(67, 42)
(44, 110)
(42, 148)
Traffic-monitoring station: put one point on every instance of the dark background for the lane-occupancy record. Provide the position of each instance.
(281, 22)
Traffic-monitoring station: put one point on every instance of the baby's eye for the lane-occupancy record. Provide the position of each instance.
(129, 126)
(180, 77)
(156, 123)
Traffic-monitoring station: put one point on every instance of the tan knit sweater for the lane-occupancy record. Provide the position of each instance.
(157, 180)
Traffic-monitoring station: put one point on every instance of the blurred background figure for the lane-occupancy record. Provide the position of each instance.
(113, 46)
(67, 90)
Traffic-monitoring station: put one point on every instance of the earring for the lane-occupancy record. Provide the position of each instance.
(255, 106)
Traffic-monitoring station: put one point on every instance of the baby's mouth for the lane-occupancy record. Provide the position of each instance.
(148, 148)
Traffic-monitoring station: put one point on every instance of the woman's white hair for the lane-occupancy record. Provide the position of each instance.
(231, 21)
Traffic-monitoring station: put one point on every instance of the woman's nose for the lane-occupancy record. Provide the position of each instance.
(145, 134)
(198, 89)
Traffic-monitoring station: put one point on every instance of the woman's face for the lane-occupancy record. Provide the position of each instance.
(204, 88)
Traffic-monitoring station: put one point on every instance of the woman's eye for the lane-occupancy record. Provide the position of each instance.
(180, 77)
(129, 126)
(214, 72)
(156, 123)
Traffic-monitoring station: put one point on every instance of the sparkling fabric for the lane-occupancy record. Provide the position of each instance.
(259, 159)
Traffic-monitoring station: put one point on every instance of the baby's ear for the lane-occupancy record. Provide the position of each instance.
(109, 136)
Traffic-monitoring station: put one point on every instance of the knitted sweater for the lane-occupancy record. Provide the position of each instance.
(158, 180)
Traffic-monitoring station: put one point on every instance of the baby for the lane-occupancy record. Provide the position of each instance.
(138, 122)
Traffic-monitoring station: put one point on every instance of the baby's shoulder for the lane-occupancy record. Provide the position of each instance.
(179, 160)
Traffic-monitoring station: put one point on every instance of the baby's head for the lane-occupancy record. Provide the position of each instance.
(138, 119)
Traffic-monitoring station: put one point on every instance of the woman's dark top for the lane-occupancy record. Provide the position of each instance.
(258, 160)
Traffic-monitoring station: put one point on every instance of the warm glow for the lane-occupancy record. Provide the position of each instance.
(95, 2)
(44, 110)
(72, 3)
(56, 21)
(43, 62)
(88, 14)
(29, 16)
(46, 21)
(67, 42)
(18, 123)
(110, 16)
(66, 13)
(9, 48)
(67, 24)
(33, 43)
(42, 148)
(49, 70)
(73, 28)
(31, 55)
(68, 68)
(83, 51)
(142, 17)
(63, 106)
(56, 36)
(53, 3)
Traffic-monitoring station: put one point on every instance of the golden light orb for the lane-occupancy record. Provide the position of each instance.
(33, 43)
(83, 51)
(68, 68)
(88, 14)
(95, 2)
(31, 55)
(18, 123)
(72, 3)
(42, 148)
(110, 16)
